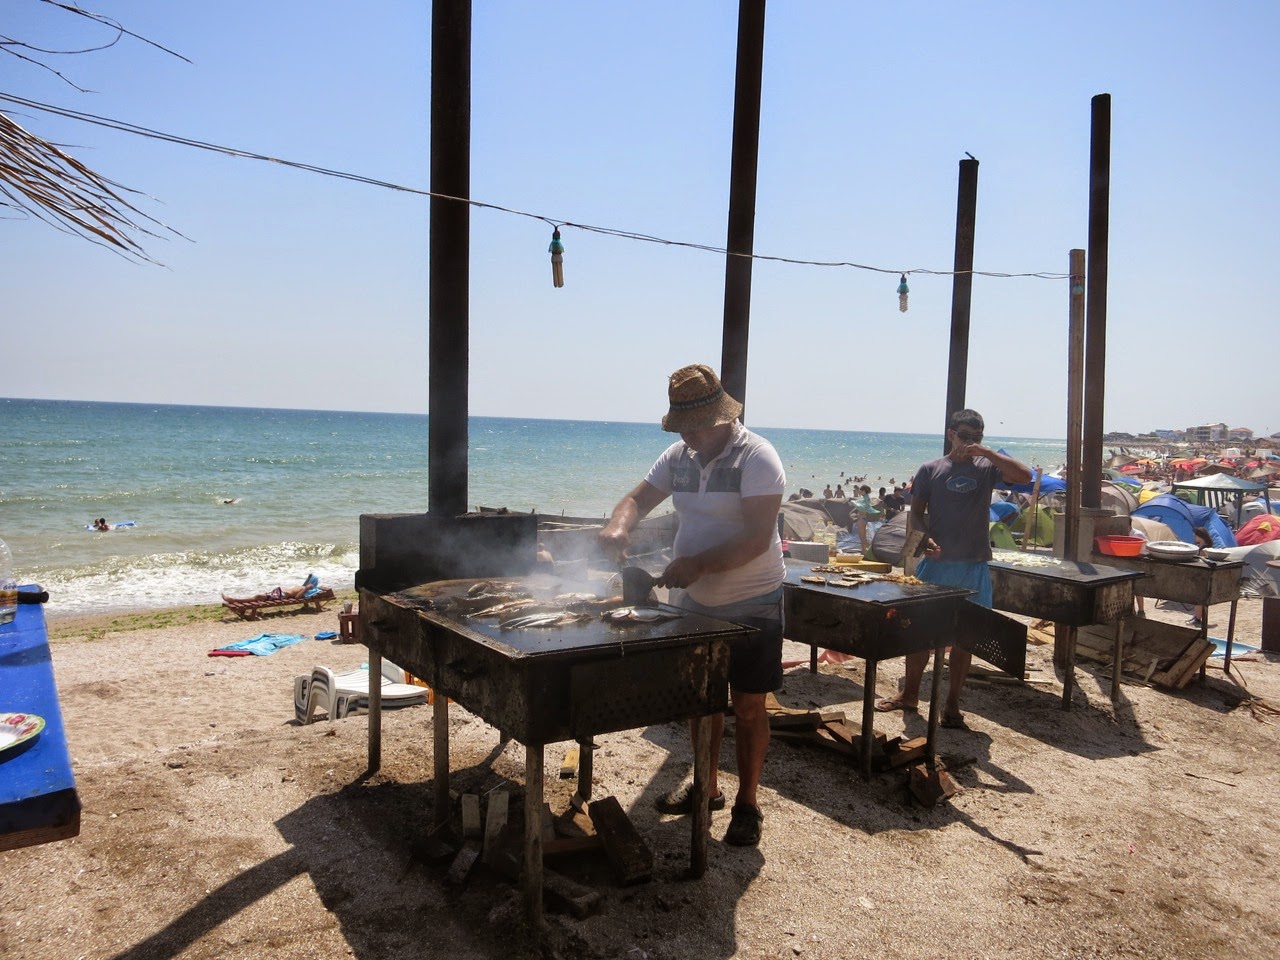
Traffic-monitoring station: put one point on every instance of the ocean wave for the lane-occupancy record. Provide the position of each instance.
(192, 577)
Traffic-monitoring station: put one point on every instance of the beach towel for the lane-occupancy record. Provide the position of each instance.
(264, 644)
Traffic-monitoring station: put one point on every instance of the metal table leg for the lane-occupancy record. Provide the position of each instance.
(1117, 658)
(868, 720)
(375, 709)
(533, 834)
(935, 706)
(1231, 634)
(700, 815)
(585, 762)
(440, 747)
(1069, 668)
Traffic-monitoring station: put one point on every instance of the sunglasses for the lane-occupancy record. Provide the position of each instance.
(968, 437)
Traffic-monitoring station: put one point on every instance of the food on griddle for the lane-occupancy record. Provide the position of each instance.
(542, 620)
(565, 599)
(638, 615)
(813, 579)
(903, 578)
(507, 606)
(595, 605)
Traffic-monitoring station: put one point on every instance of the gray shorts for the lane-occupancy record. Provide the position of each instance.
(755, 663)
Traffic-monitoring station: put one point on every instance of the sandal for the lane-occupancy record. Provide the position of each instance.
(744, 827)
(680, 800)
(895, 703)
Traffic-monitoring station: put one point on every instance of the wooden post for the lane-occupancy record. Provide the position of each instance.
(1075, 402)
(449, 252)
(1096, 317)
(742, 199)
(961, 292)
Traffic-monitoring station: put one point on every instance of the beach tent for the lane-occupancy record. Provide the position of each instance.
(888, 541)
(1048, 484)
(1182, 518)
(1258, 579)
(1151, 529)
(1001, 509)
(1119, 498)
(802, 520)
(1001, 536)
(1041, 526)
(1260, 529)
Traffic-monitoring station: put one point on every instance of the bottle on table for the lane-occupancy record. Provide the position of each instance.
(8, 585)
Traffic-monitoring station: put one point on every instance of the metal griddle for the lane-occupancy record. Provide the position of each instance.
(876, 620)
(1072, 595)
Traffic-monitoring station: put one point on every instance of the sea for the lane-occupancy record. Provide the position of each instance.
(238, 500)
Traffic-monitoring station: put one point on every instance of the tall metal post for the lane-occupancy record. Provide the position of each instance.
(961, 291)
(1095, 364)
(742, 198)
(450, 256)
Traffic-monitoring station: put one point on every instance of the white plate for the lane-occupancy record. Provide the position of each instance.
(18, 728)
(1173, 549)
(1217, 553)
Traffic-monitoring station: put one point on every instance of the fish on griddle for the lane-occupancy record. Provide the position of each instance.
(507, 606)
(542, 621)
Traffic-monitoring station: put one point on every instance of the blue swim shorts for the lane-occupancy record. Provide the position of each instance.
(970, 574)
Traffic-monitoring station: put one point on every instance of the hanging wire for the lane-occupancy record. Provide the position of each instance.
(554, 223)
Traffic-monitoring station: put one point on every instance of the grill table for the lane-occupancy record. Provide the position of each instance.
(38, 800)
(876, 621)
(1197, 581)
(1070, 594)
(544, 686)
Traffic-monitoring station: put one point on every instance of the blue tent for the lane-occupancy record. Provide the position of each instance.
(1182, 518)
(1047, 484)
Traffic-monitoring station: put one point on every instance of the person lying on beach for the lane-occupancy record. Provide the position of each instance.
(309, 588)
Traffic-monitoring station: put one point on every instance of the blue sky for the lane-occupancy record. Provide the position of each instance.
(299, 290)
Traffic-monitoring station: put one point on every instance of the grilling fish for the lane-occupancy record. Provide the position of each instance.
(534, 621)
(505, 607)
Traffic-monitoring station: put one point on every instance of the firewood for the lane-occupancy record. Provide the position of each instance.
(630, 855)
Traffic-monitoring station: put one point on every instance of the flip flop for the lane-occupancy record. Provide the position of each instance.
(953, 721)
(892, 704)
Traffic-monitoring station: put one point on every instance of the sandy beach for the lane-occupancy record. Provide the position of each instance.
(214, 826)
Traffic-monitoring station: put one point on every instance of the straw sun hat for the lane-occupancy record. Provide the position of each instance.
(698, 400)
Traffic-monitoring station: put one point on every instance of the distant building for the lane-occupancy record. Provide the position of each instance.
(1240, 433)
(1207, 432)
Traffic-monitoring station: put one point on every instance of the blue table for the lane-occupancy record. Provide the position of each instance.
(38, 802)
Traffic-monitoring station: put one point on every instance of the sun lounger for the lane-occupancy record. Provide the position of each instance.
(251, 609)
(340, 696)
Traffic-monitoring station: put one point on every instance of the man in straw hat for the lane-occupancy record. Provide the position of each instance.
(726, 485)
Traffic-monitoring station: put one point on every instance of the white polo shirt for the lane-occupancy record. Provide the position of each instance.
(708, 502)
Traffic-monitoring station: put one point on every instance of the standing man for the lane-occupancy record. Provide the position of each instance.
(726, 485)
(956, 492)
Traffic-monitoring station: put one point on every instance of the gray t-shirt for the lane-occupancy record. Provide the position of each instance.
(958, 496)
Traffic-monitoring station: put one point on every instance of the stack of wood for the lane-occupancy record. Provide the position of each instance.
(492, 837)
(830, 729)
(1154, 652)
